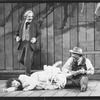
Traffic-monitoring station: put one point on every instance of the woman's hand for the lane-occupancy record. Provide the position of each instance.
(4, 90)
(9, 89)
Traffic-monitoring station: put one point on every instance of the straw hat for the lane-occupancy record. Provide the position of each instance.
(77, 50)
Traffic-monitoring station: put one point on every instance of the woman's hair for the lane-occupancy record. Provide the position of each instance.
(9, 83)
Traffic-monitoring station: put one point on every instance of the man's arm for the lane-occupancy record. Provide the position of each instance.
(90, 68)
(67, 66)
(19, 25)
(17, 34)
(38, 32)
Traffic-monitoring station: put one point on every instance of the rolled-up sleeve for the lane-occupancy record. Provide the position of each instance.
(90, 68)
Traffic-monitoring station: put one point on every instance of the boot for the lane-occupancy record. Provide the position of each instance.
(83, 88)
(83, 83)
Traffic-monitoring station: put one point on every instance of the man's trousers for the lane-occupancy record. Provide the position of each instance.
(25, 56)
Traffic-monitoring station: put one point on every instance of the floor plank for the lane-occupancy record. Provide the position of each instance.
(96, 91)
(3, 94)
(13, 94)
(73, 92)
(49, 93)
(23, 94)
(37, 93)
(62, 92)
(93, 90)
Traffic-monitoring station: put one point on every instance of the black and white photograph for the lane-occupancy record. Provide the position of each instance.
(49, 49)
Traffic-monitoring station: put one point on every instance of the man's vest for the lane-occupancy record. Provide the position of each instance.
(76, 67)
(25, 35)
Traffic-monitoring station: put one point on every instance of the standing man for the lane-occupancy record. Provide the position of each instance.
(79, 66)
(28, 37)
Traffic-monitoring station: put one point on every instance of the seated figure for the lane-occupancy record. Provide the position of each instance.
(79, 67)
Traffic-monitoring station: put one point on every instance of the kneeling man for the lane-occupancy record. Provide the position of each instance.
(79, 66)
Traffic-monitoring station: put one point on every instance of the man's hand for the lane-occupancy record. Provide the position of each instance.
(82, 71)
(17, 39)
(33, 40)
(74, 73)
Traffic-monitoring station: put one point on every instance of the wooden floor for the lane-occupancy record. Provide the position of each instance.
(93, 90)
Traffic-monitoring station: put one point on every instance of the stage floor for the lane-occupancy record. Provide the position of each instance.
(93, 90)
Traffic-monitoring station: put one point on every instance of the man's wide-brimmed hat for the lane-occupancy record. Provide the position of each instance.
(77, 50)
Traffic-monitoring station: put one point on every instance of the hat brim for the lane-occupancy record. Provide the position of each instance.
(75, 52)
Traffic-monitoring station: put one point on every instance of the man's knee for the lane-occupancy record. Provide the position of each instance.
(21, 59)
(84, 83)
(84, 80)
(21, 55)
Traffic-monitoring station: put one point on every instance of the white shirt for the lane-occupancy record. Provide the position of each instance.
(67, 66)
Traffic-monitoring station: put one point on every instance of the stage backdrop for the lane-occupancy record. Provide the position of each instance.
(63, 28)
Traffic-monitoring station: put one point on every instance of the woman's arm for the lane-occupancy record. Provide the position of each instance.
(9, 89)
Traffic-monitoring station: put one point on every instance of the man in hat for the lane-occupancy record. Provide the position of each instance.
(79, 66)
(29, 38)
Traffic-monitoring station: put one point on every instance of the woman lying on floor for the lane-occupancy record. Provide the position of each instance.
(50, 78)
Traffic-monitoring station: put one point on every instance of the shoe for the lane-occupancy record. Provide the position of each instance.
(83, 88)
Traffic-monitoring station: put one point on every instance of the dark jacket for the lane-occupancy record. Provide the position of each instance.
(76, 67)
(34, 31)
